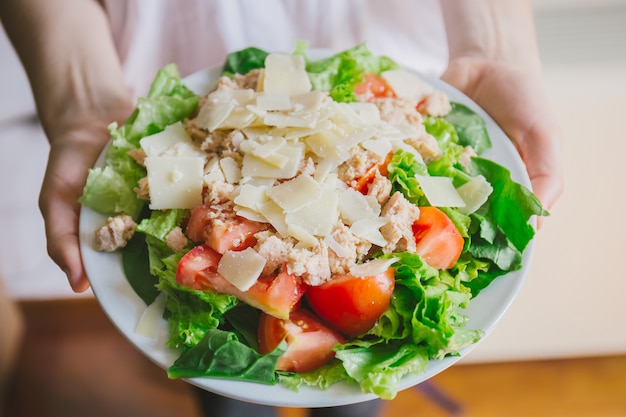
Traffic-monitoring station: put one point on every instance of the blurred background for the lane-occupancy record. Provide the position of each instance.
(567, 323)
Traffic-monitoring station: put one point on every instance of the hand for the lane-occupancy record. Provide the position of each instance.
(73, 151)
(515, 99)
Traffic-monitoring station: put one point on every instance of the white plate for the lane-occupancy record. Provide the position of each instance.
(124, 307)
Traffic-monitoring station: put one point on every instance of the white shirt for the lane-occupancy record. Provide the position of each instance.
(151, 33)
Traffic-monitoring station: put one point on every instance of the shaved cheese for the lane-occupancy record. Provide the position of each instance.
(474, 193)
(354, 206)
(380, 147)
(151, 320)
(213, 172)
(307, 103)
(291, 120)
(285, 75)
(407, 84)
(250, 215)
(318, 217)
(251, 197)
(439, 191)
(368, 229)
(273, 102)
(231, 170)
(215, 110)
(373, 267)
(275, 216)
(268, 149)
(294, 194)
(171, 141)
(175, 182)
(241, 268)
(305, 239)
(340, 250)
(254, 166)
(367, 112)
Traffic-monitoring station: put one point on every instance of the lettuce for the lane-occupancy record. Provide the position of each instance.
(220, 354)
(244, 61)
(340, 73)
(110, 190)
(470, 127)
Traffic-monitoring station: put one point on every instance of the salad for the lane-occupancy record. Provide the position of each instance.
(309, 221)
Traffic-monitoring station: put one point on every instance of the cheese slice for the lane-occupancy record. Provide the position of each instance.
(354, 206)
(285, 75)
(439, 191)
(215, 110)
(241, 268)
(373, 267)
(173, 140)
(406, 84)
(175, 182)
(294, 194)
(474, 193)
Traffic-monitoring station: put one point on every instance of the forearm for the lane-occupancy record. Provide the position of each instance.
(498, 30)
(68, 54)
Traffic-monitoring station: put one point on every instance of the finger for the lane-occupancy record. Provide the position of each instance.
(65, 175)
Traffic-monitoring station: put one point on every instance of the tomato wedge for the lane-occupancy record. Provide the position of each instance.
(438, 240)
(350, 304)
(277, 295)
(309, 343)
(374, 86)
(237, 233)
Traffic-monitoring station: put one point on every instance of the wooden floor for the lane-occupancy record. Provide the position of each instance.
(74, 363)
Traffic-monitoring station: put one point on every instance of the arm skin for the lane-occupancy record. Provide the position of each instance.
(67, 51)
(494, 60)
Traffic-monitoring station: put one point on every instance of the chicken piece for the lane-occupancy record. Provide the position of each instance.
(139, 155)
(346, 249)
(274, 249)
(427, 146)
(197, 134)
(399, 231)
(218, 192)
(311, 264)
(380, 188)
(143, 189)
(176, 240)
(466, 156)
(249, 80)
(115, 233)
(357, 165)
(399, 111)
(436, 104)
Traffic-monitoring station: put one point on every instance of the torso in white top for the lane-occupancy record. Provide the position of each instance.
(197, 34)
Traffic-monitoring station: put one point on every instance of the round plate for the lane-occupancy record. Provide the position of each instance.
(124, 307)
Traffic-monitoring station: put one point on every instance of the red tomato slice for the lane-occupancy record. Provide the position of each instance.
(374, 86)
(352, 304)
(438, 240)
(235, 234)
(277, 295)
(309, 343)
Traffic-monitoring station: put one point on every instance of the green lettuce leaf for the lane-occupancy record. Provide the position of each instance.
(221, 355)
(379, 368)
(244, 61)
(401, 172)
(340, 73)
(192, 313)
(110, 190)
(511, 204)
(470, 127)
